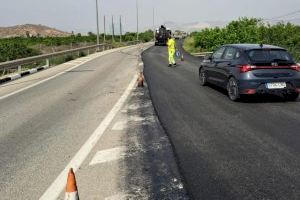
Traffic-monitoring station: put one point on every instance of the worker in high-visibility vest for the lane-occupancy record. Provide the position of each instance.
(171, 50)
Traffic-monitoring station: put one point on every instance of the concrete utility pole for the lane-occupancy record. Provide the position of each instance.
(154, 24)
(97, 15)
(120, 28)
(113, 28)
(137, 20)
(104, 26)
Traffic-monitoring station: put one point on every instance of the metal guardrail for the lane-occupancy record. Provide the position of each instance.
(29, 60)
(202, 54)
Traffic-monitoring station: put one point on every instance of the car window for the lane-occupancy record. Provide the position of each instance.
(237, 55)
(269, 55)
(218, 54)
(230, 53)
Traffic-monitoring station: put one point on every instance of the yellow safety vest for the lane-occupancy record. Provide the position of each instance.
(171, 44)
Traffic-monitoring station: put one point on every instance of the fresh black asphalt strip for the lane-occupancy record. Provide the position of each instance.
(226, 150)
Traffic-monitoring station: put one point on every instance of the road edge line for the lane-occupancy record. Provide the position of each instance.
(58, 185)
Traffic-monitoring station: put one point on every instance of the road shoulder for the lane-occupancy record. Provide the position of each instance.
(134, 158)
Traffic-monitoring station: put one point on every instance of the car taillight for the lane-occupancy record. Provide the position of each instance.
(296, 67)
(246, 68)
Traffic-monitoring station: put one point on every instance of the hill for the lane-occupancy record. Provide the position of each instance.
(194, 26)
(29, 30)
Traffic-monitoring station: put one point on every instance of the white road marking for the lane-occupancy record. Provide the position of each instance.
(59, 74)
(138, 94)
(137, 106)
(142, 119)
(109, 155)
(120, 125)
(58, 185)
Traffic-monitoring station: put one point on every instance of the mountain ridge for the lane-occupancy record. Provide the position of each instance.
(31, 30)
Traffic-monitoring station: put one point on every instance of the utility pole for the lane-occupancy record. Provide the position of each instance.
(153, 24)
(137, 20)
(104, 26)
(113, 28)
(120, 28)
(97, 15)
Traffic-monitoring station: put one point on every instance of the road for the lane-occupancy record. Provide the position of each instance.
(89, 115)
(44, 126)
(225, 150)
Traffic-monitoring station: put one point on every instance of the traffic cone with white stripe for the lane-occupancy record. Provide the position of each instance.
(141, 79)
(71, 188)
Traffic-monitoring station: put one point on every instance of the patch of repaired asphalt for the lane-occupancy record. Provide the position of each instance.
(150, 170)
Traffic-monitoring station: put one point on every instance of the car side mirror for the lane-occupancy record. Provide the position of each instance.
(208, 58)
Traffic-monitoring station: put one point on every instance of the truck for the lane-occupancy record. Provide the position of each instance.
(179, 34)
(161, 36)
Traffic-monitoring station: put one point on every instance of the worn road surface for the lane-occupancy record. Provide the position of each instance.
(89, 115)
(225, 150)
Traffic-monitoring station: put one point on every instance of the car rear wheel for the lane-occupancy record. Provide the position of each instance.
(233, 89)
(291, 97)
(202, 77)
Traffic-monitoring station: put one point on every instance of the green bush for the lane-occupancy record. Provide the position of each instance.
(21, 47)
(250, 30)
(69, 58)
(82, 54)
(12, 51)
(146, 36)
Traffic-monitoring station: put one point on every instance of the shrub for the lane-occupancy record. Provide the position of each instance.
(250, 30)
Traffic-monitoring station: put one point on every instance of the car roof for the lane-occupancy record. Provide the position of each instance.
(253, 46)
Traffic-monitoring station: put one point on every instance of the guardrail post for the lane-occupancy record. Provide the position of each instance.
(88, 52)
(48, 62)
(3, 73)
(19, 68)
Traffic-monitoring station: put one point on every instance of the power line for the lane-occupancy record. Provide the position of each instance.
(292, 19)
(283, 16)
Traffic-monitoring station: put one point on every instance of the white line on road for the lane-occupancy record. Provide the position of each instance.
(150, 118)
(58, 185)
(109, 155)
(139, 106)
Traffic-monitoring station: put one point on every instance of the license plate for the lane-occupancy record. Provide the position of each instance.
(276, 85)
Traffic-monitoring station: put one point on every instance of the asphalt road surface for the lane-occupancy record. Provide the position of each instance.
(225, 150)
(42, 127)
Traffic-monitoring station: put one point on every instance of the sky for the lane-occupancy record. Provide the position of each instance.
(80, 15)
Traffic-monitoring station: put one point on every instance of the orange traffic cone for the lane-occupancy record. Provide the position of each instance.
(141, 79)
(71, 188)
